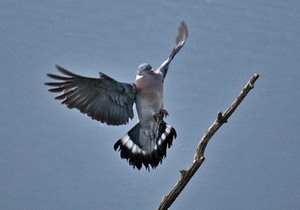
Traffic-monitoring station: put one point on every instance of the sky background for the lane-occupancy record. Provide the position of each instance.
(52, 157)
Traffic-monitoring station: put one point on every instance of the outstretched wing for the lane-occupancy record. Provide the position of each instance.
(103, 99)
(180, 41)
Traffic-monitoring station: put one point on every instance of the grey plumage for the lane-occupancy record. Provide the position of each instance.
(111, 102)
(103, 99)
(179, 43)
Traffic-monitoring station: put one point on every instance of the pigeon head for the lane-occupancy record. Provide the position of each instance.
(144, 68)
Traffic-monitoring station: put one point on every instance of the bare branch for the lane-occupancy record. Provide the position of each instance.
(221, 118)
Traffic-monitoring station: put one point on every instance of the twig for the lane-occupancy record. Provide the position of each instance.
(221, 118)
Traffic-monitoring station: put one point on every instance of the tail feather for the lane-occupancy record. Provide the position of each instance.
(131, 149)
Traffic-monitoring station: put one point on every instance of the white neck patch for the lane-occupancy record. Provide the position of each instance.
(138, 77)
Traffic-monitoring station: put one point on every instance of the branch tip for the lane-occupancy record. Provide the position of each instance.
(253, 79)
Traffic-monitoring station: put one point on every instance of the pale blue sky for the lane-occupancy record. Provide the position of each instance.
(55, 158)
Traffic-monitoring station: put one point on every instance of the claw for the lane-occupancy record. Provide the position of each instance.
(160, 115)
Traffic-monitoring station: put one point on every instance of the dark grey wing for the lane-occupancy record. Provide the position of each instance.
(103, 99)
(180, 41)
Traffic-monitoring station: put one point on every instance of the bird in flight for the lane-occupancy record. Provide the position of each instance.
(110, 101)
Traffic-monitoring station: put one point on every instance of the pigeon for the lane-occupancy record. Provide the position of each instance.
(109, 101)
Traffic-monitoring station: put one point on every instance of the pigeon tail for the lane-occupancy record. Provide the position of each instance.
(137, 155)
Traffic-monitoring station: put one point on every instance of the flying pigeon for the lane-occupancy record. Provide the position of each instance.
(110, 101)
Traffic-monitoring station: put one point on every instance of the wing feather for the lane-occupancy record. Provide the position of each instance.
(103, 99)
(179, 43)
